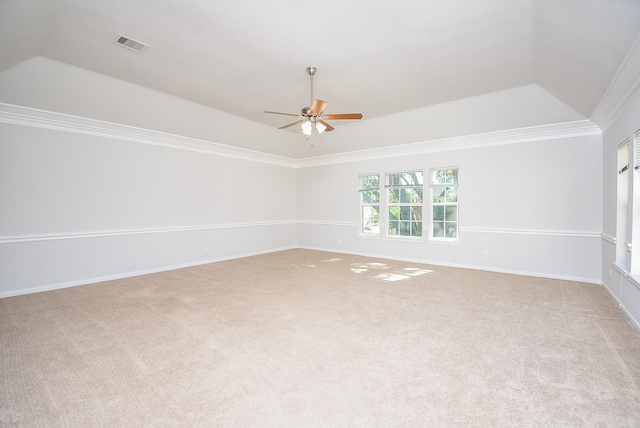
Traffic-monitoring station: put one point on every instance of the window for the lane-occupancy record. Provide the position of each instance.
(444, 203)
(404, 203)
(369, 204)
(635, 218)
(622, 245)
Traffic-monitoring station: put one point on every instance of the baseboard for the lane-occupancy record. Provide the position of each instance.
(94, 280)
(461, 266)
(130, 274)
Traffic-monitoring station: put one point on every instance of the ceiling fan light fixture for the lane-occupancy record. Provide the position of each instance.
(306, 127)
(313, 115)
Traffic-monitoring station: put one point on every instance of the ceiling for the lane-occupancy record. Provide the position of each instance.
(376, 57)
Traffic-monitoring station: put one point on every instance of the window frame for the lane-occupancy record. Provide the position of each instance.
(444, 204)
(623, 190)
(362, 204)
(634, 210)
(389, 187)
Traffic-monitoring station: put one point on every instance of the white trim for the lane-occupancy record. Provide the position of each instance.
(610, 239)
(562, 233)
(102, 234)
(457, 265)
(26, 116)
(633, 278)
(132, 274)
(511, 136)
(566, 233)
(329, 223)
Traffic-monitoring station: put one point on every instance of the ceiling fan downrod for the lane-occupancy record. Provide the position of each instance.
(312, 71)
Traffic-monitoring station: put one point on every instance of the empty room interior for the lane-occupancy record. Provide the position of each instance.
(345, 213)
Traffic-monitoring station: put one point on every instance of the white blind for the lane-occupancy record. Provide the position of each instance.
(636, 149)
(623, 157)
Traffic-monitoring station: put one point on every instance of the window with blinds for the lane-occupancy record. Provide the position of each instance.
(634, 225)
(622, 214)
(636, 150)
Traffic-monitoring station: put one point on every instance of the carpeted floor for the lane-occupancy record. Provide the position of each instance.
(306, 338)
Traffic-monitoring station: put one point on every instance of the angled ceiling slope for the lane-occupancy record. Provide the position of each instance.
(246, 56)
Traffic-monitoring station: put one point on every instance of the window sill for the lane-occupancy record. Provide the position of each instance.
(404, 238)
(633, 277)
(369, 236)
(418, 239)
(443, 241)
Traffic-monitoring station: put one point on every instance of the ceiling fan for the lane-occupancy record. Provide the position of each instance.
(313, 115)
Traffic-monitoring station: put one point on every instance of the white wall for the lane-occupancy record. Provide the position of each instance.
(88, 200)
(535, 207)
(85, 200)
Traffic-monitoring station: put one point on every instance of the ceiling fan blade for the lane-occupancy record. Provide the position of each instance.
(291, 124)
(277, 112)
(343, 116)
(317, 107)
(329, 127)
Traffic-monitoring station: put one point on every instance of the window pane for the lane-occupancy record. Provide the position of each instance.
(405, 228)
(394, 213)
(369, 187)
(439, 194)
(368, 182)
(409, 178)
(416, 228)
(411, 195)
(405, 213)
(438, 213)
(438, 229)
(444, 200)
(452, 230)
(451, 213)
(444, 176)
(451, 194)
(405, 179)
(405, 199)
(416, 213)
(370, 196)
(405, 196)
(371, 219)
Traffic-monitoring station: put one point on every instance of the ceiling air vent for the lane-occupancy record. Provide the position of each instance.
(130, 43)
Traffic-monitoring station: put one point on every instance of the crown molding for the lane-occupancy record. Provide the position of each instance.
(26, 116)
(511, 136)
(623, 90)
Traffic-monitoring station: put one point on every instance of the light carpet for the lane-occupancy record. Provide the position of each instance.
(306, 338)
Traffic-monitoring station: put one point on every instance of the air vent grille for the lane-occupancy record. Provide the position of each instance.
(130, 43)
